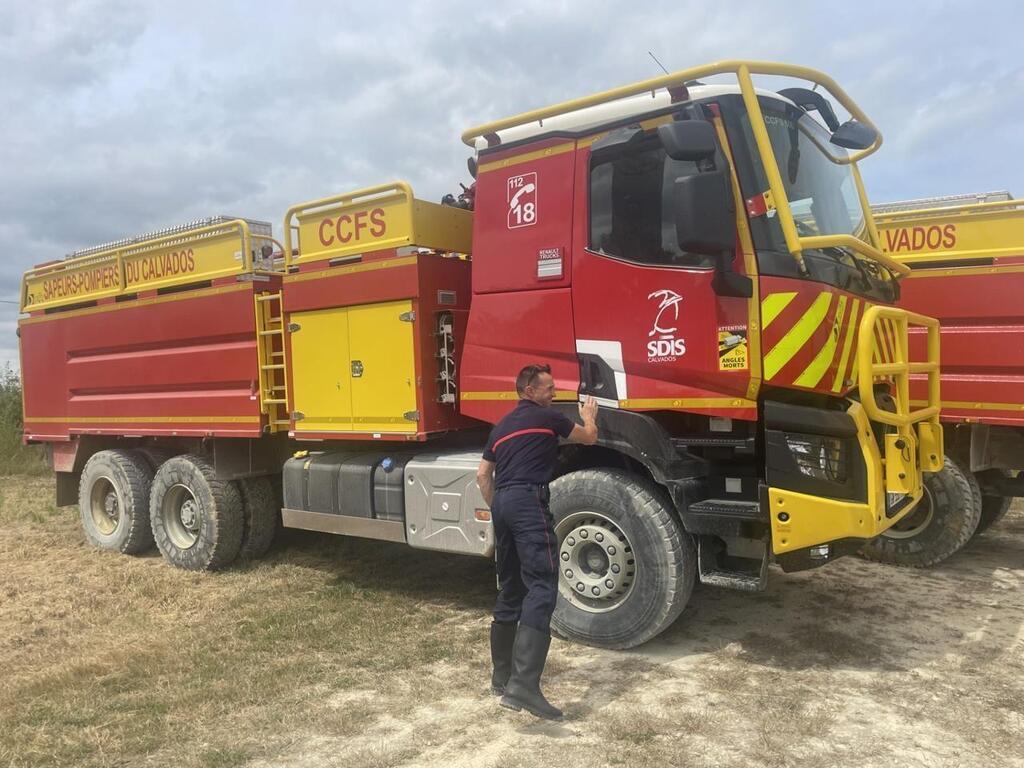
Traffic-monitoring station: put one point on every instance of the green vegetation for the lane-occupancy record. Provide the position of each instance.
(15, 458)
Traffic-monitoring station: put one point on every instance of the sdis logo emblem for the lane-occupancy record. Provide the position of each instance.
(666, 347)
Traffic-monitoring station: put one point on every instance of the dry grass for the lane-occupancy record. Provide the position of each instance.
(118, 660)
(338, 653)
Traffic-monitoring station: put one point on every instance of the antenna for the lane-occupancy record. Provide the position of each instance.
(657, 62)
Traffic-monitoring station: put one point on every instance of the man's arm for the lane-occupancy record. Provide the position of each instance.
(587, 434)
(485, 479)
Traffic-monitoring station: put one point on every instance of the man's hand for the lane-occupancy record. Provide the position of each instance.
(588, 410)
(587, 434)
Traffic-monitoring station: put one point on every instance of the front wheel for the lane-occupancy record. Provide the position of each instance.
(941, 523)
(626, 568)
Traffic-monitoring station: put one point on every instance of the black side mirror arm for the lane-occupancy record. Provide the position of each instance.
(726, 282)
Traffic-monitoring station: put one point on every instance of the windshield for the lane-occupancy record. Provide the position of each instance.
(822, 193)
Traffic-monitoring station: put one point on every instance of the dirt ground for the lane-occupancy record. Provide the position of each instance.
(355, 654)
(857, 664)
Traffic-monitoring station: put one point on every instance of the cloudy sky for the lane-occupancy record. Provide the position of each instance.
(121, 117)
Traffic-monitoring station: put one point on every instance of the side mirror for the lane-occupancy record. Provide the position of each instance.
(854, 135)
(705, 215)
(688, 139)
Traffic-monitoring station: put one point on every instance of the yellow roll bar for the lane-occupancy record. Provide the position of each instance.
(992, 207)
(743, 70)
(379, 190)
(117, 255)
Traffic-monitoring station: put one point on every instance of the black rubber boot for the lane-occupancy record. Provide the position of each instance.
(523, 689)
(503, 638)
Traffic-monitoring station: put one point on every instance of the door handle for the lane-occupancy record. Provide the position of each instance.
(357, 369)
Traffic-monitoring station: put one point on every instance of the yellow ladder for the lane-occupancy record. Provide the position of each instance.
(270, 351)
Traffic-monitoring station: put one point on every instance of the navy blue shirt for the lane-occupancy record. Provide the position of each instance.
(524, 444)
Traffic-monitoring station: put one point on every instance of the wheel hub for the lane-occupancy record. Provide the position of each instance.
(104, 506)
(110, 505)
(190, 515)
(182, 516)
(596, 565)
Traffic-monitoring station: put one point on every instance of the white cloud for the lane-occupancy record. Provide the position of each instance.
(126, 116)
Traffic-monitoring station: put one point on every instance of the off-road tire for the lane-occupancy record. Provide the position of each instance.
(994, 508)
(126, 476)
(950, 519)
(664, 556)
(260, 517)
(218, 512)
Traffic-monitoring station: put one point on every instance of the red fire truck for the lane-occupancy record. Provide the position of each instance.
(700, 257)
(965, 252)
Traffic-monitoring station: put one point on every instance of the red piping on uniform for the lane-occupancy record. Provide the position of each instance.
(531, 431)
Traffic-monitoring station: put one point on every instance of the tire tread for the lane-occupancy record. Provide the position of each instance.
(680, 572)
(138, 478)
(226, 514)
(964, 486)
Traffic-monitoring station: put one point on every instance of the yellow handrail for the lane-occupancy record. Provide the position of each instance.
(117, 255)
(900, 368)
(743, 70)
(379, 190)
(147, 245)
(731, 66)
(855, 244)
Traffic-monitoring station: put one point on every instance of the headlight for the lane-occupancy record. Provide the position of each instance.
(820, 457)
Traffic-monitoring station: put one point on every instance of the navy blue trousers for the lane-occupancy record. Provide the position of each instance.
(526, 554)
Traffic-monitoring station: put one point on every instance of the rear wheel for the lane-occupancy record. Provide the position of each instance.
(626, 568)
(941, 523)
(197, 519)
(261, 516)
(113, 500)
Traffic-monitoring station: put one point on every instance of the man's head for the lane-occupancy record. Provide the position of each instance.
(535, 383)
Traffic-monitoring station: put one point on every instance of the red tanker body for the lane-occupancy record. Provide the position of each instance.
(734, 324)
(967, 257)
(172, 352)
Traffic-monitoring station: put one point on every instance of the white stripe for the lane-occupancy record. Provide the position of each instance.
(611, 353)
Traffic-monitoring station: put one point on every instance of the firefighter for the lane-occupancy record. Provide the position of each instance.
(513, 477)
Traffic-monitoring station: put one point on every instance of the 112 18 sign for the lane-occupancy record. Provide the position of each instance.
(522, 200)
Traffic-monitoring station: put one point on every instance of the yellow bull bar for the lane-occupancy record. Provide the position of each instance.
(743, 70)
(913, 444)
(914, 428)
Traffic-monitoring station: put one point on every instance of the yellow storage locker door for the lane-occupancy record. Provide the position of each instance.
(321, 373)
(383, 367)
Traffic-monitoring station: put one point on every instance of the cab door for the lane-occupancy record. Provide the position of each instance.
(651, 331)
